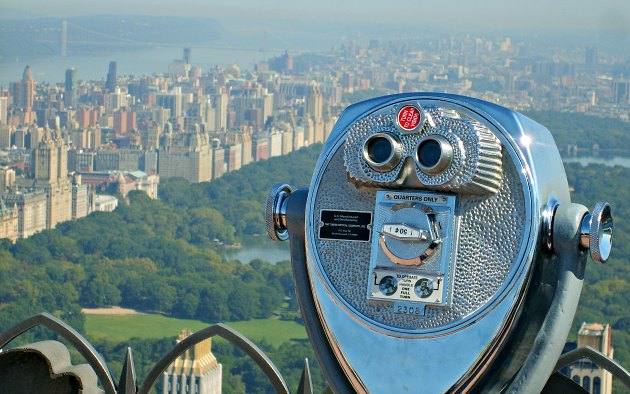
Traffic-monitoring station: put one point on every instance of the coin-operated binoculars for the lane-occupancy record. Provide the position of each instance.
(437, 248)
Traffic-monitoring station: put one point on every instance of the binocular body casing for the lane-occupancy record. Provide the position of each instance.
(423, 281)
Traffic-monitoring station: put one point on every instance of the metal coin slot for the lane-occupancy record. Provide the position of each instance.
(409, 245)
(382, 152)
(434, 154)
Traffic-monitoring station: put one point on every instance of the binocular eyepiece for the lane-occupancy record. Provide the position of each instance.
(383, 152)
(436, 239)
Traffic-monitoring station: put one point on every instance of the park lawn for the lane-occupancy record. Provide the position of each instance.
(120, 328)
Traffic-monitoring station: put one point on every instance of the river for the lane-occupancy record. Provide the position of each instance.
(142, 62)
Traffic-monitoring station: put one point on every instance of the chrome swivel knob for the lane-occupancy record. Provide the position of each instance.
(596, 232)
(275, 212)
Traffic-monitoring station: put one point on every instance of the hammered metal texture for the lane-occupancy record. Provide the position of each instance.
(476, 164)
(492, 229)
(358, 168)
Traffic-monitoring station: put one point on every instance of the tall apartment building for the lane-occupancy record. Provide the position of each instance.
(111, 81)
(70, 98)
(253, 110)
(586, 373)
(246, 153)
(50, 160)
(4, 110)
(186, 155)
(81, 161)
(5, 136)
(298, 138)
(81, 138)
(314, 103)
(220, 111)
(234, 156)
(150, 136)
(81, 201)
(124, 121)
(287, 141)
(7, 179)
(218, 162)
(130, 159)
(196, 371)
(107, 160)
(260, 148)
(621, 91)
(95, 137)
(309, 131)
(31, 208)
(8, 221)
(275, 144)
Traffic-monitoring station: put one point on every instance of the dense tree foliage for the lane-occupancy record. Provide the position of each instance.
(584, 131)
(159, 256)
(240, 196)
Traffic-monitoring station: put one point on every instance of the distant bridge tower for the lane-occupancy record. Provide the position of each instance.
(64, 38)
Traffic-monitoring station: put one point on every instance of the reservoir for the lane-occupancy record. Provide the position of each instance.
(259, 247)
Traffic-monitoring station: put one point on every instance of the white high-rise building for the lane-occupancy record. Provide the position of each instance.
(4, 108)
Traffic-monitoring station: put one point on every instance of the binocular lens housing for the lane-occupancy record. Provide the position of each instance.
(434, 154)
(382, 152)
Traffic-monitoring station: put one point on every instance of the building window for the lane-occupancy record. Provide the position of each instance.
(597, 386)
(586, 383)
(576, 379)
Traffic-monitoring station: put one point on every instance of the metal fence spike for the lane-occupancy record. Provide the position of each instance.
(127, 382)
(306, 385)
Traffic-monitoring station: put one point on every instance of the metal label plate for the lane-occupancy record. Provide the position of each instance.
(345, 225)
(420, 287)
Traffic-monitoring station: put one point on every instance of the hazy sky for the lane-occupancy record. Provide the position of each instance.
(605, 23)
(605, 16)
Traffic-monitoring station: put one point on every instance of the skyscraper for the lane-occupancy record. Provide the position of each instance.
(591, 56)
(110, 83)
(50, 164)
(187, 54)
(621, 91)
(23, 92)
(71, 88)
(196, 371)
(314, 103)
(4, 110)
(220, 116)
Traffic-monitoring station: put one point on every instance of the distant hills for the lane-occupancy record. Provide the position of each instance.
(85, 35)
